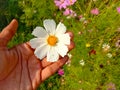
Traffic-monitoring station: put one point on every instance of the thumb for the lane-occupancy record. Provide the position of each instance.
(8, 32)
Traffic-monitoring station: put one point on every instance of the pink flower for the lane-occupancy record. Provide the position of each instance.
(64, 3)
(118, 10)
(60, 72)
(71, 2)
(95, 11)
(61, 3)
(80, 16)
(69, 12)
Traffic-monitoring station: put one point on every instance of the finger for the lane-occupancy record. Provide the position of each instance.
(45, 63)
(71, 35)
(9, 31)
(71, 46)
(28, 43)
(51, 69)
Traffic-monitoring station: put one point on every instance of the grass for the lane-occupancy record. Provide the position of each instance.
(99, 70)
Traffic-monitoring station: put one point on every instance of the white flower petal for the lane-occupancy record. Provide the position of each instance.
(64, 38)
(41, 51)
(50, 26)
(52, 55)
(61, 28)
(62, 49)
(36, 42)
(39, 32)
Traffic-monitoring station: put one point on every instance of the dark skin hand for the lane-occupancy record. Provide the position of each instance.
(19, 68)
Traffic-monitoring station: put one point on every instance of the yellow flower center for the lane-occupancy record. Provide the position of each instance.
(88, 45)
(52, 40)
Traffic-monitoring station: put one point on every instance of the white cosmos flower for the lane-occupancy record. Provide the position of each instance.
(50, 41)
(109, 55)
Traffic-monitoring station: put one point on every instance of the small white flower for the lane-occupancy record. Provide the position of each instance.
(82, 62)
(50, 41)
(69, 60)
(106, 47)
(69, 55)
(82, 19)
(109, 55)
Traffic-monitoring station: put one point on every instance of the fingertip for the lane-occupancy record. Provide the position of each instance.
(28, 44)
(65, 57)
(71, 35)
(9, 31)
(11, 28)
(62, 61)
(71, 46)
(14, 22)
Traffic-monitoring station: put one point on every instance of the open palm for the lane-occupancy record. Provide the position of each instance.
(19, 68)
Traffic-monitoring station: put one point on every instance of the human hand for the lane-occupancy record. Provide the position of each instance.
(19, 68)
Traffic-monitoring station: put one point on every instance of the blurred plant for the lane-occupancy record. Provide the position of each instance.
(117, 44)
(61, 3)
(95, 11)
(88, 45)
(8, 12)
(64, 3)
(69, 60)
(111, 86)
(118, 9)
(34, 12)
(106, 47)
(109, 55)
(69, 13)
(82, 62)
(92, 52)
(61, 72)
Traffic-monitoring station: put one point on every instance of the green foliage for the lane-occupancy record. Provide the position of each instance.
(96, 30)
(36, 11)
